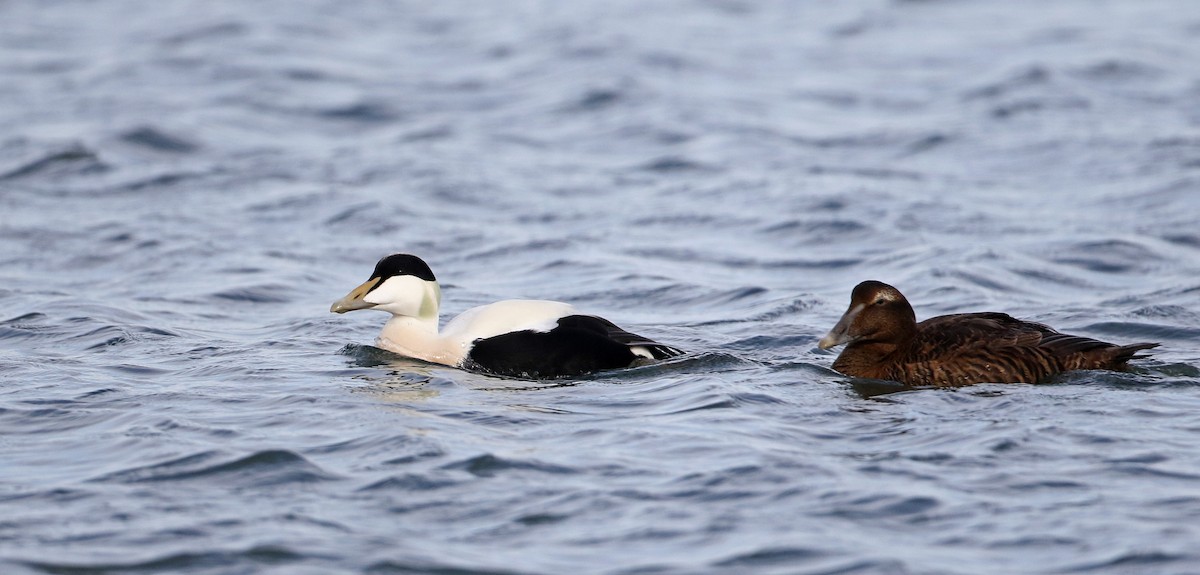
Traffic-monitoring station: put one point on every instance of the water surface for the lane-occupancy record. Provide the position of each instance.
(185, 187)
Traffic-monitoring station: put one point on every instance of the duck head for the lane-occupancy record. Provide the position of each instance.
(402, 285)
(878, 312)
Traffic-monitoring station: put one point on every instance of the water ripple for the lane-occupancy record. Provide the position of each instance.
(261, 469)
(255, 556)
(186, 190)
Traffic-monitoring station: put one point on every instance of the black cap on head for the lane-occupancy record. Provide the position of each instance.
(403, 265)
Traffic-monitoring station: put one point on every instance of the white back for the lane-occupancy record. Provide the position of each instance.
(505, 316)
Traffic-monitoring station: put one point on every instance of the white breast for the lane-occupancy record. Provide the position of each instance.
(503, 317)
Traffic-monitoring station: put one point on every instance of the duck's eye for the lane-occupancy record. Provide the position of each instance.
(881, 300)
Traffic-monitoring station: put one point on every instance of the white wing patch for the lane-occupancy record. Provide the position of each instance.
(504, 317)
(641, 351)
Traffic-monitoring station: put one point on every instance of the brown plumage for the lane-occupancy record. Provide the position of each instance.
(884, 341)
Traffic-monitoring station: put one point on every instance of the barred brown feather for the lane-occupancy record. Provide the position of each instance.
(884, 341)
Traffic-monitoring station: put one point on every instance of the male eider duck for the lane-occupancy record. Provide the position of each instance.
(884, 341)
(516, 338)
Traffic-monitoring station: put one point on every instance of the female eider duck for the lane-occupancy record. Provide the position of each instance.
(516, 338)
(884, 341)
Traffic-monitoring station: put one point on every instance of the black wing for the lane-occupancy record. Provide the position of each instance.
(579, 344)
(616, 333)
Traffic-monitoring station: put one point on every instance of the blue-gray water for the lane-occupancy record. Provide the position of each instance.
(186, 186)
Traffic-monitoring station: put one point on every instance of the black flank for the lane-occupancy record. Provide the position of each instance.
(611, 331)
(579, 344)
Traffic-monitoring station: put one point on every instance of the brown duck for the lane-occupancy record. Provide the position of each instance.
(884, 341)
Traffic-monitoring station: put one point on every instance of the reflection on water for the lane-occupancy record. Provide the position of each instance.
(869, 388)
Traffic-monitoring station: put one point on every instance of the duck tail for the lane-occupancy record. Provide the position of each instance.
(661, 351)
(1124, 353)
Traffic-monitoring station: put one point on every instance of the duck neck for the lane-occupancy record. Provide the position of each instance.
(418, 337)
(870, 358)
